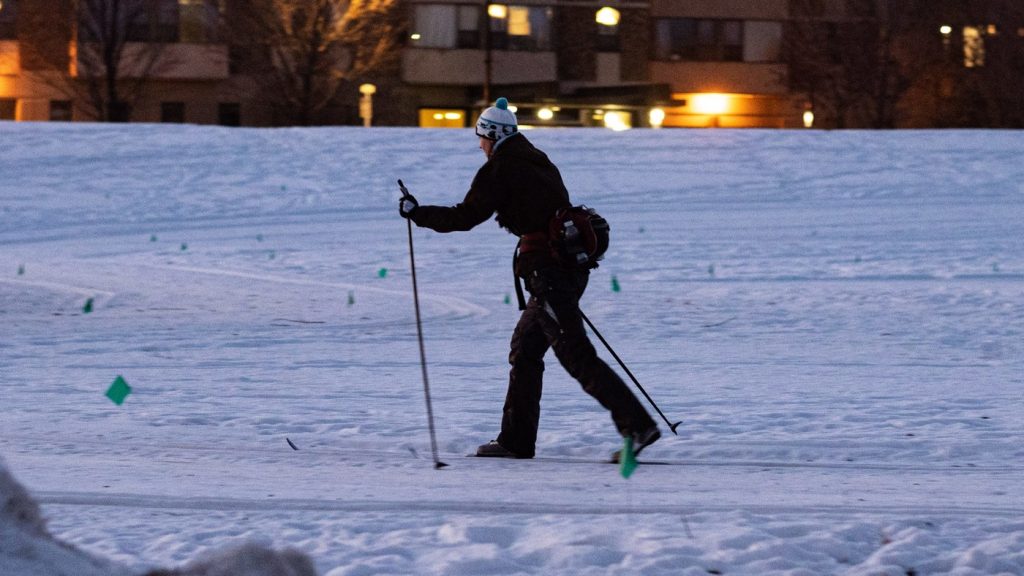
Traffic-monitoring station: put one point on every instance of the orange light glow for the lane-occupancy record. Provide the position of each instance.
(711, 104)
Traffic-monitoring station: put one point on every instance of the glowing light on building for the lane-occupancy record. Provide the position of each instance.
(499, 11)
(607, 16)
(656, 117)
(545, 113)
(711, 104)
(808, 119)
(618, 120)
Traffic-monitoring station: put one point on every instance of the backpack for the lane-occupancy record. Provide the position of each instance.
(578, 236)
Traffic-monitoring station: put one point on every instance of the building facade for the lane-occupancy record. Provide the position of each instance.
(614, 63)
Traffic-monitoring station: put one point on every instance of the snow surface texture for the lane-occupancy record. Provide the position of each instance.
(836, 317)
(26, 548)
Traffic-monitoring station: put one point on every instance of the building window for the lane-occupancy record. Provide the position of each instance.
(8, 108)
(702, 40)
(197, 21)
(468, 33)
(510, 27)
(974, 46)
(442, 118)
(8, 19)
(60, 110)
(172, 112)
(229, 114)
(526, 28)
(607, 20)
(434, 26)
(162, 21)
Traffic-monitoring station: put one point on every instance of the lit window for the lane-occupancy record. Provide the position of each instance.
(974, 47)
(518, 21)
(442, 118)
(521, 28)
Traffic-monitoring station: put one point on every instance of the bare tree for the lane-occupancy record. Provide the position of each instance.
(302, 53)
(119, 46)
(986, 81)
(857, 65)
(116, 48)
(916, 63)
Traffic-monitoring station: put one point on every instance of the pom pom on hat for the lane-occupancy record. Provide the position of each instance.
(497, 122)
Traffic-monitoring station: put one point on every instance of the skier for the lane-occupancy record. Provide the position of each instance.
(524, 187)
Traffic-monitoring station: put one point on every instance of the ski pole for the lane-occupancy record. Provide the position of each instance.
(623, 364)
(419, 333)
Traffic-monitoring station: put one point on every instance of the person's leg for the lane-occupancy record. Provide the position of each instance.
(521, 414)
(564, 328)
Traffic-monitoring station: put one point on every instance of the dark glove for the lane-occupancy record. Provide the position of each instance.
(407, 205)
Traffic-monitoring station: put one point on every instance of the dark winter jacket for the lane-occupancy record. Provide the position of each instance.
(520, 184)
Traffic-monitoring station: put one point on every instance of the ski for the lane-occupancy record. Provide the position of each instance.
(576, 460)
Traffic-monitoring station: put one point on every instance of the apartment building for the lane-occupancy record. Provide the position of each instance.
(614, 63)
(687, 63)
(173, 68)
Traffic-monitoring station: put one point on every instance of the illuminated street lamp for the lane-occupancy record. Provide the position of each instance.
(808, 119)
(656, 117)
(366, 103)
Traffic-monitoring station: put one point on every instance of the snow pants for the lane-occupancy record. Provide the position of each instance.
(552, 320)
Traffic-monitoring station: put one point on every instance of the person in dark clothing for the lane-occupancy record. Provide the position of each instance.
(525, 189)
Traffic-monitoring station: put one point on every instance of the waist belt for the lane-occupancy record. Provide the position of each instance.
(533, 242)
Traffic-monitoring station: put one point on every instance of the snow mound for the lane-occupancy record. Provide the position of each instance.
(246, 560)
(26, 547)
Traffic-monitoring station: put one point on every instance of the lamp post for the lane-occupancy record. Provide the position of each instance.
(366, 103)
(491, 12)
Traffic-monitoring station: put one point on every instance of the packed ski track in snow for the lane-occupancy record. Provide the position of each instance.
(836, 317)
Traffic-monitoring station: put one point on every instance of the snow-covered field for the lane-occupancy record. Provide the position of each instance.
(837, 318)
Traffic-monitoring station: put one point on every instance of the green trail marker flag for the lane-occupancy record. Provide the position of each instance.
(88, 306)
(118, 391)
(627, 460)
(383, 272)
(615, 284)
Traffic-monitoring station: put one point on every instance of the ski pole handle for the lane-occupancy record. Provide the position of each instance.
(405, 191)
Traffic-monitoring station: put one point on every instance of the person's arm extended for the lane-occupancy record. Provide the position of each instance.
(478, 205)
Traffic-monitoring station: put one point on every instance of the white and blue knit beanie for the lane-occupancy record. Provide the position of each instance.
(497, 122)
